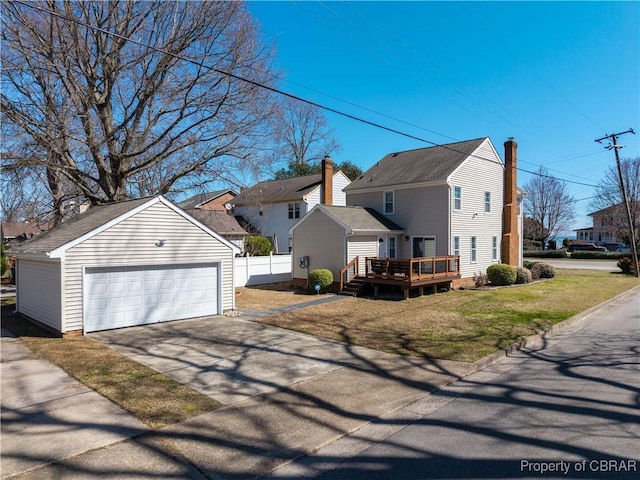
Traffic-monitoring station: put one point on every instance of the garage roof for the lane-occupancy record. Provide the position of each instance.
(95, 220)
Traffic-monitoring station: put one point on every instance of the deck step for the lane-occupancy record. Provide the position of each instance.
(354, 287)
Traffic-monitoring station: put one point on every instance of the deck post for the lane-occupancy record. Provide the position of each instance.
(421, 291)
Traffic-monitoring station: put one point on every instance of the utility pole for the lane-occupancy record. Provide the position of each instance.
(615, 147)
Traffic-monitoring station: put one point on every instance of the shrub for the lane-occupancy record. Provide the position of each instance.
(480, 280)
(3, 260)
(595, 255)
(545, 253)
(523, 275)
(257, 246)
(528, 265)
(626, 265)
(543, 270)
(322, 277)
(501, 274)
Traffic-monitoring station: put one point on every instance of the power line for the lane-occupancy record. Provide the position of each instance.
(278, 91)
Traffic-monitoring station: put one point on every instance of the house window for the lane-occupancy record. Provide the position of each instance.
(456, 245)
(423, 247)
(457, 198)
(474, 249)
(487, 202)
(294, 210)
(389, 201)
(392, 247)
(494, 249)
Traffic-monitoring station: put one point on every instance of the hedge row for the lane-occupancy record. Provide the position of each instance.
(583, 255)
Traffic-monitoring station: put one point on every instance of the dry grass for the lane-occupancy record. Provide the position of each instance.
(267, 297)
(150, 396)
(459, 325)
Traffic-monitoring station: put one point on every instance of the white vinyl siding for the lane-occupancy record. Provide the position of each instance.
(362, 247)
(480, 173)
(132, 242)
(39, 290)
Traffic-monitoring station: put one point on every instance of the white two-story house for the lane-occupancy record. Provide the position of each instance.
(448, 200)
(273, 207)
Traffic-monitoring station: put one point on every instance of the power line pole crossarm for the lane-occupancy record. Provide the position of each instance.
(632, 234)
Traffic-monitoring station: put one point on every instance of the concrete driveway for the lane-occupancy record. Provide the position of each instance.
(231, 359)
(48, 416)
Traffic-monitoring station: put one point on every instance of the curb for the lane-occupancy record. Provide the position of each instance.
(494, 357)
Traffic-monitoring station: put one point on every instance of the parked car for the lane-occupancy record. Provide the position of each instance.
(616, 247)
(590, 247)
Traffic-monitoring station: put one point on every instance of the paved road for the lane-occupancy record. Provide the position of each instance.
(569, 407)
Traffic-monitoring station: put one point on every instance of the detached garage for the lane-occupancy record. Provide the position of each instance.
(124, 264)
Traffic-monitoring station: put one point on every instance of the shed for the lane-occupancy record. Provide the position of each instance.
(123, 264)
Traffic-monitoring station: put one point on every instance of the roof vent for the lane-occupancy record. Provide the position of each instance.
(395, 154)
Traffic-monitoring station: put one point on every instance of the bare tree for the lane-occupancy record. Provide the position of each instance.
(302, 139)
(128, 98)
(548, 204)
(609, 198)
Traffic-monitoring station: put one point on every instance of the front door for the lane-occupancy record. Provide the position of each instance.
(382, 248)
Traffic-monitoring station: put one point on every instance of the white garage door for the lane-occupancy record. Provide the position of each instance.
(125, 296)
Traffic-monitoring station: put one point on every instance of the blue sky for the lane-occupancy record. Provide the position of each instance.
(554, 75)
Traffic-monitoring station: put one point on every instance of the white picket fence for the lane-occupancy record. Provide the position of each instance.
(261, 270)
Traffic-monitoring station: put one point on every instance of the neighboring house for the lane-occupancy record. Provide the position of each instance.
(123, 264)
(274, 206)
(220, 200)
(450, 200)
(223, 223)
(606, 223)
(18, 232)
(584, 234)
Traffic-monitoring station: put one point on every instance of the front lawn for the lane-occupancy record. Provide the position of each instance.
(463, 325)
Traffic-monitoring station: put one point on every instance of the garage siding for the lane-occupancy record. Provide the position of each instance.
(39, 291)
(133, 242)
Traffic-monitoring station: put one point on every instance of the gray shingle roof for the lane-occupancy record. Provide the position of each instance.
(278, 191)
(196, 200)
(218, 221)
(361, 218)
(416, 166)
(77, 226)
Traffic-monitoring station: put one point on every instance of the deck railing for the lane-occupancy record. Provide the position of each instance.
(412, 269)
(349, 272)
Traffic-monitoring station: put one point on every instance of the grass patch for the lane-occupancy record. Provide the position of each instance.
(152, 397)
(266, 297)
(463, 325)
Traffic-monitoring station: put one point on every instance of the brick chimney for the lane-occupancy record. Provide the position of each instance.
(510, 238)
(326, 189)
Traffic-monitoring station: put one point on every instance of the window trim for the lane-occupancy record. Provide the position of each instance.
(494, 248)
(384, 202)
(456, 245)
(487, 202)
(457, 199)
(293, 209)
(473, 249)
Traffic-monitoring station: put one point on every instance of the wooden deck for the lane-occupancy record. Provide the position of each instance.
(405, 273)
